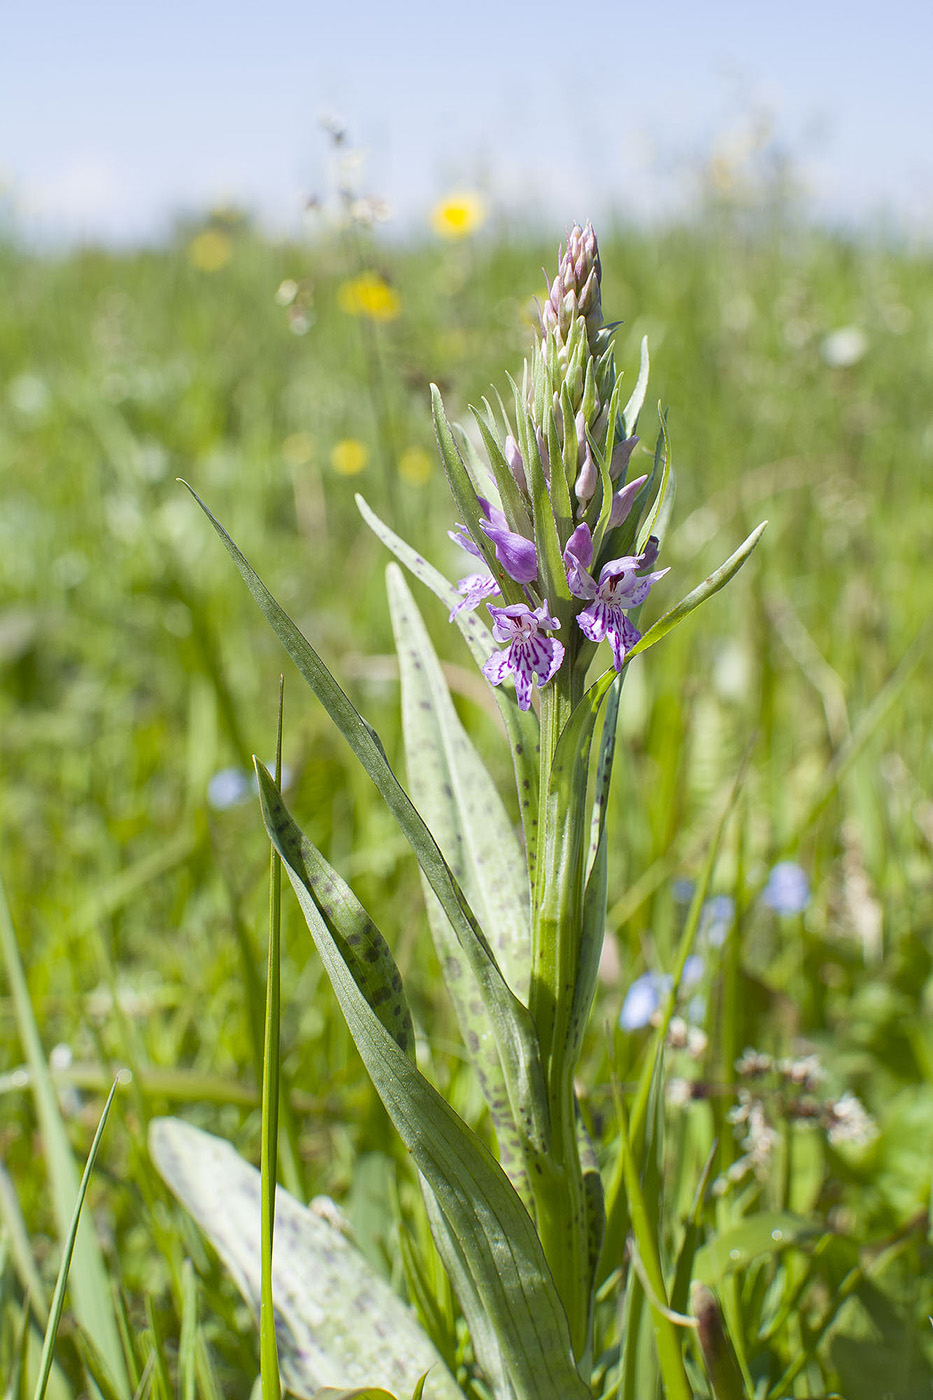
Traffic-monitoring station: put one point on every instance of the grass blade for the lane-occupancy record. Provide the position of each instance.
(92, 1302)
(268, 1349)
(68, 1250)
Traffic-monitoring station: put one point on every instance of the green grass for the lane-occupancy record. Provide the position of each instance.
(134, 666)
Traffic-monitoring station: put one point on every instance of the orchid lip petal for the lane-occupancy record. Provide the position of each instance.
(529, 653)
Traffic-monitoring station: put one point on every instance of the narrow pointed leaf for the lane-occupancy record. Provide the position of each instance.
(338, 1322)
(359, 942)
(479, 1203)
(68, 1248)
(90, 1290)
(382, 987)
(634, 405)
(662, 470)
(487, 1347)
(465, 497)
(456, 795)
(669, 1345)
(514, 1028)
(268, 1350)
(716, 580)
(509, 494)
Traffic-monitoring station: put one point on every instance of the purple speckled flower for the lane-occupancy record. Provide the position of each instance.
(529, 653)
(619, 588)
(518, 556)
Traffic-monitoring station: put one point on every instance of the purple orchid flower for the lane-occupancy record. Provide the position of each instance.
(529, 653)
(518, 556)
(619, 588)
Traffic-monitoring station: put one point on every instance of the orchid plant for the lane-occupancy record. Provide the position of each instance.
(565, 542)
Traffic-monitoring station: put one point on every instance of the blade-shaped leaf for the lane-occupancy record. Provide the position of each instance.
(765, 1233)
(493, 1228)
(509, 494)
(458, 798)
(634, 405)
(456, 795)
(662, 469)
(90, 1290)
(361, 945)
(486, 1344)
(68, 1246)
(716, 580)
(338, 1322)
(513, 1026)
(465, 497)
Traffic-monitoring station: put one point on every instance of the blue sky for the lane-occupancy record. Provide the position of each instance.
(116, 116)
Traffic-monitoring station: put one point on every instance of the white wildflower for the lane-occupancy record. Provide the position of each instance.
(850, 1121)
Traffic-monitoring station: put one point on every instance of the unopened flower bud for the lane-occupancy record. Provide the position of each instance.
(580, 424)
(620, 457)
(622, 501)
(575, 291)
(581, 258)
(585, 484)
(588, 301)
(600, 423)
(567, 312)
(515, 462)
(590, 396)
(543, 454)
(650, 553)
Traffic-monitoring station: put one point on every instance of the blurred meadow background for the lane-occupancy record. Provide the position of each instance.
(280, 370)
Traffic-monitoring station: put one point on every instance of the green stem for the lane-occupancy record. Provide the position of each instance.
(558, 1188)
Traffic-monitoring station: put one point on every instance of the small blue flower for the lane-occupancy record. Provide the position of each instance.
(682, 890)
(643, 998)
(693, 971)
(788, 889)
(228, 788)
(716, 919)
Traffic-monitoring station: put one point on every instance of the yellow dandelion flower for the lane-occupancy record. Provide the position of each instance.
(415, 466)
(298, 449)
(458, 215)
(210, 250)
(369, 295)
(349, 456)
